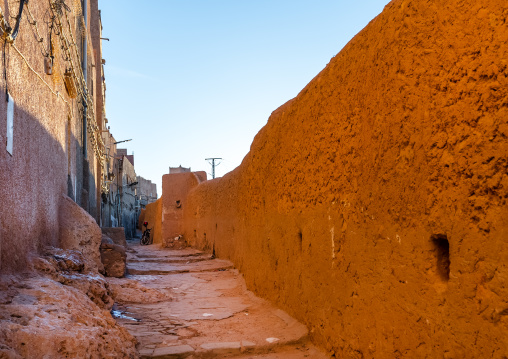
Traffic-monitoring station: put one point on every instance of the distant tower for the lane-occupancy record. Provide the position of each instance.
(179, 169)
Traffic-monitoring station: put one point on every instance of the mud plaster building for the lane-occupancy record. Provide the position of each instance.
(127, 193)
(51, 118)
(128, 200)
(179, 169)
(146, 192)
(109, 200)
(175, 190)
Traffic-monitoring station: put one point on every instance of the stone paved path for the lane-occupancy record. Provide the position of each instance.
(183, 304)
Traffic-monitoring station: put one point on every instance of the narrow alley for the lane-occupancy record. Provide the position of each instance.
(360, 209)
(186, 304)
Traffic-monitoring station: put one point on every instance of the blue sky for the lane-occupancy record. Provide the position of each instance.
(189, 79)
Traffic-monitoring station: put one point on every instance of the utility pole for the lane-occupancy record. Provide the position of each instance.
(213, 164)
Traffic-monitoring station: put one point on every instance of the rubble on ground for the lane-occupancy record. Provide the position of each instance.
(117, 235)
(133, 291)
(113, 258)
(61, 310)
(177, 242)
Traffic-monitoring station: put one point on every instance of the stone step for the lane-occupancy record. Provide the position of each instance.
(157, 268)
(156, 250)
(229, 350)
(211, 314)
(177, 260)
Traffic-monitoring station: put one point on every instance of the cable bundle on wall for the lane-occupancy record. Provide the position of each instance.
(77, 75)
(60, 36)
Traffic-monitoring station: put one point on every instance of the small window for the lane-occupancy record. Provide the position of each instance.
(178, 204)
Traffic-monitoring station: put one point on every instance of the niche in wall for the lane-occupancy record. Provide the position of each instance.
(442, 250)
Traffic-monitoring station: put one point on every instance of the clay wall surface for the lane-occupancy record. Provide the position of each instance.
(47, 159)
(121, 152)
(179, 169)
(95, 25)
(175, 188)
(128, 201)
(153, 215)
(110, 209)
(29, 210)
(372, 206)
(146, 191)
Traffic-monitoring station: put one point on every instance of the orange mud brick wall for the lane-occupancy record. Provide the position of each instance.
(372, 206)
(153, 215)
(175, 189)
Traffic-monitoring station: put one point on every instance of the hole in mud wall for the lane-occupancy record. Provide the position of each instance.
(195, 234)
(204, 237)
(300, 239)
(442, 248)
(178, 204)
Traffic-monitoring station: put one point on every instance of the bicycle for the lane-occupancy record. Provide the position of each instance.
(146, 238)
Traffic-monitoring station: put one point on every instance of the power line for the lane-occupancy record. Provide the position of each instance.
(213, 159)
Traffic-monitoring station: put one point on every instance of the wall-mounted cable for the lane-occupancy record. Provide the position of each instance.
(5, 73)
(18, 21)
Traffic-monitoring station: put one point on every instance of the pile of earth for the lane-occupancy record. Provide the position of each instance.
(60, 310)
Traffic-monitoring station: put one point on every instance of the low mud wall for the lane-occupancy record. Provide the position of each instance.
(175, 189)
(153, 215)
(373, 205)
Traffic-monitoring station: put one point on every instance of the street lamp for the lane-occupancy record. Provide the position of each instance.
(122, 141)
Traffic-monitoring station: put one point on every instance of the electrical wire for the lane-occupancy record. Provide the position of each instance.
(5, 74)
(59, 10)
(78, 76)
(56, 93)
(18, 20)
(40, 40)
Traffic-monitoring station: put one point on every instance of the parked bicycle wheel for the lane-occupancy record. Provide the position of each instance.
(144, 239)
